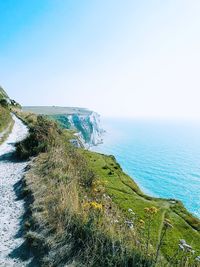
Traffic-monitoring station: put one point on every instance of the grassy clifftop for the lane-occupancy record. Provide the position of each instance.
(126, 194)
(85, 210)
(47, 110)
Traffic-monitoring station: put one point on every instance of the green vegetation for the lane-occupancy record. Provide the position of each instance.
(5, 118)
(3, 94)
(6, 122)
(71, 222)
(85, 209)
(62, 120)
(86, 133)
(126, 194)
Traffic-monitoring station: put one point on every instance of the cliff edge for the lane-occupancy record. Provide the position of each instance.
(84, 122)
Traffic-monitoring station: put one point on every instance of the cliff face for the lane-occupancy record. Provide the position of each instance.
(88, 127)
(86, 123)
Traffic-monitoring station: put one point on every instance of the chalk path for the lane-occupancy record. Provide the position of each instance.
(11, 206)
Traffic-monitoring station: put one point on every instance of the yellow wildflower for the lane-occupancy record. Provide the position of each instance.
(152, 210)
(96, 205)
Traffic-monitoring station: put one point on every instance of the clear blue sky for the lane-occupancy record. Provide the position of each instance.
(118, 57)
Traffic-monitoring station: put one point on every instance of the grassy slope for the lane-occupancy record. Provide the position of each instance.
(126, 194)
(6, 122)
(3, 94)
(5, 117)
(64, 181)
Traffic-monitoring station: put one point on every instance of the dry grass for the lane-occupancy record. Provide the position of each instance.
(73, 220)
(71, 217)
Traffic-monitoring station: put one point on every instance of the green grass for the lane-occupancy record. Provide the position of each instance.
(4, 118)
(6, 133)
(62, 120)
(6, 123)
(3, 94)
(78, 194)
(126, 194)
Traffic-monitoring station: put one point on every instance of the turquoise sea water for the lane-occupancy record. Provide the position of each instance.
(162, 157)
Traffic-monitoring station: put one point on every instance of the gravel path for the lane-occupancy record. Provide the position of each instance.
(11, 206)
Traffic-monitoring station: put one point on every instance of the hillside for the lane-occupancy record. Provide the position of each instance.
(82, 209)
(86, 210)
(6, 122)
(3, 94)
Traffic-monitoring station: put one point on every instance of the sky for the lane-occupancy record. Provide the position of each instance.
(122, 58)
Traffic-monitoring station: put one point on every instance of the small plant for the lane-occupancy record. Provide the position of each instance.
(96, 206)
(4, 102)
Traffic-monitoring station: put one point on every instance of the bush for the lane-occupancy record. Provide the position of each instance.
(42, 135)
(3, 102)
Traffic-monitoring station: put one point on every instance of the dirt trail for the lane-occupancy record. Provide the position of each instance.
(11, 206)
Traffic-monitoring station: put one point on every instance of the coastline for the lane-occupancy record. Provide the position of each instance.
(110, 182)
(162, 167)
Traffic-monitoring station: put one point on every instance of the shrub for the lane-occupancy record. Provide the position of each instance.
(42, 134)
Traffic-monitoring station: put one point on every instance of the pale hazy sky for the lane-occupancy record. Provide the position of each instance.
(117, 57)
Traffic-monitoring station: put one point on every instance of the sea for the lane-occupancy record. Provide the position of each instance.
(163, 157)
